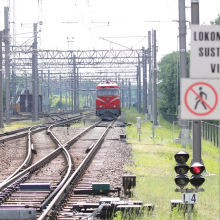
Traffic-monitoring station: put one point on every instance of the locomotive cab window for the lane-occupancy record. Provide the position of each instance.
(108, 92)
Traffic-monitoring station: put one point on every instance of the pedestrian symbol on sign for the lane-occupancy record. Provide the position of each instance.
(200, 97)
(205, 96)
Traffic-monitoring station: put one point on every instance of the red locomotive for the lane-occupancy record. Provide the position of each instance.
(108, 101)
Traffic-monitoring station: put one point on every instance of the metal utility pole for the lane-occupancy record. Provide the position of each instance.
(48, 91)
(182, 49)
(1, 85)
(60, 95)
(7, 66)
(74, 70)
(150, 75)
(71, 80)
(126, 91)
(41, 83)
(144, 80)
(129, 94)
(66, 94)
(13, 91)
(139, 84)
(155, 80)
(26, 94)
(123, 94)
(197, 149)
(77, 86)
(136, 105)
(35, 77)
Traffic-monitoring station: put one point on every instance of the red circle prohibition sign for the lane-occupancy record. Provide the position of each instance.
(202, 100)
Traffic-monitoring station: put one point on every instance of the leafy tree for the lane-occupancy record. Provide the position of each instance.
(216, 21)
(167, 78)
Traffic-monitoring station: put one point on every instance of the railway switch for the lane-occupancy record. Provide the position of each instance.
(181, 169)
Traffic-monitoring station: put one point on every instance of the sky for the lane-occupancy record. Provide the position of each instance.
(86, 22)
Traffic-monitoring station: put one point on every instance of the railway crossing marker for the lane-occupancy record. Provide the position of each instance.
(200, 99)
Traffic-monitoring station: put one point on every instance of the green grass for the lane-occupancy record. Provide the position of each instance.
(21, 124)
(154, 167)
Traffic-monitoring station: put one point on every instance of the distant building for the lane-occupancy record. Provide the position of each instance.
(22, 99)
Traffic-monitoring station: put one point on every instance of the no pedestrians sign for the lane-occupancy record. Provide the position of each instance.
(205, 51)
(200, 99)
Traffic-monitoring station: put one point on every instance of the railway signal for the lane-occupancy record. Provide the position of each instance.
(181, 169)
(197, 179)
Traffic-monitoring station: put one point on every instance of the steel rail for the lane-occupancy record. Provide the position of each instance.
(46, 202)
(28, 157)
(70, 181)
(40, 163)
(69, 161)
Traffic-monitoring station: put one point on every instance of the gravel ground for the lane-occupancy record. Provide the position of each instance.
(12, 154)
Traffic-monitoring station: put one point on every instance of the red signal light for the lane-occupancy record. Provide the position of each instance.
(197, 168)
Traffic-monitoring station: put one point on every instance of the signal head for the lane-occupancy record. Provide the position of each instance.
(197, 180)
(197, 168)
(181, 157)
(181, 180)
(181, 169)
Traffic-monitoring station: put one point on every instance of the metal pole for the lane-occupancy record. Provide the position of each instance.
(123, 104)
(13, 91)
(1, 85)
(177, 78)
(146, 101)
(139, 84)
(137, 105)
(7, 66)
(77, 86)
(129, 94)
(126, 93)
(60, 95)
(41, 83)
(197, 149)
(155, 80)
(182, 49)
(74, 69)
(26, 94)
(150, 75)
(35, 77)
(48, 93)
(72, 72)
(144, 81)
(66, 94)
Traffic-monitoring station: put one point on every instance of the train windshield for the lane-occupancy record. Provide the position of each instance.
(108, 92)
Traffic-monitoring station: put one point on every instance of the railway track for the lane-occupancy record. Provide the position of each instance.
(9, 197)
(54, 186)
(13, 153)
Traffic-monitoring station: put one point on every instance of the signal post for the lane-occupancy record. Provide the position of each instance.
(200, 100)
(189, 196)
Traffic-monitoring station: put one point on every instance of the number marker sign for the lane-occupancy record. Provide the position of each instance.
(189, 198)
(205, 51)
(200, 99)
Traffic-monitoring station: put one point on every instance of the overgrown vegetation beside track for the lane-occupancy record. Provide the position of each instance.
(154, 167)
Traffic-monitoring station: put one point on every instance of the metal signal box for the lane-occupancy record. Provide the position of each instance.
(100, 186)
